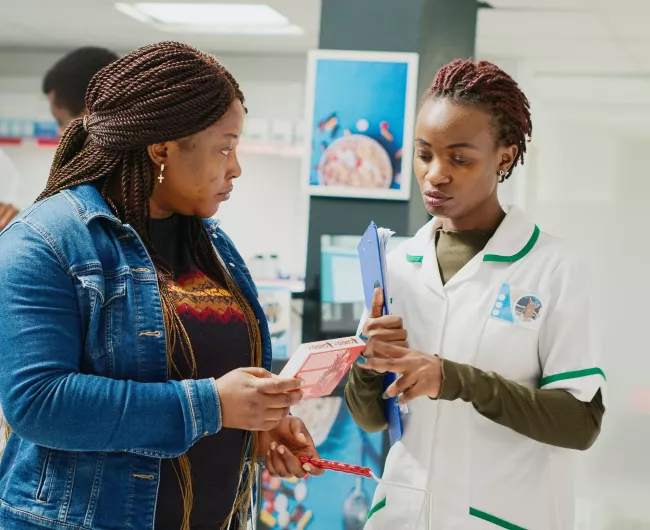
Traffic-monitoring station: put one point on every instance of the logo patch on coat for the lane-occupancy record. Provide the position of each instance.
(528, 308)
(517, 306)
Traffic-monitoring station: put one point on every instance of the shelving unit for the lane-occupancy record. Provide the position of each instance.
(245, 148)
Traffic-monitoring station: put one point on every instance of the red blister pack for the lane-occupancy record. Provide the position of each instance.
(337, 466)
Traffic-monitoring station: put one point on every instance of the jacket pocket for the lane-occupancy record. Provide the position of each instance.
(47, 476)
(101, 302)
(100, 290)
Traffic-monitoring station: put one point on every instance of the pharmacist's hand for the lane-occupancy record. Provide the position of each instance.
(253, 399)
(420, 373)
(283, 446)
(7, 213)
(387, 328)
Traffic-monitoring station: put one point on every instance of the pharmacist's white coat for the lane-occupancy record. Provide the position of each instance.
(521, 309)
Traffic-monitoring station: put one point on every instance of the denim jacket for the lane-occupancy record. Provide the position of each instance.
(83, 369)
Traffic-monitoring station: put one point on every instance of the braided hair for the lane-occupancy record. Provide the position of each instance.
(158, 93)
(487, 86)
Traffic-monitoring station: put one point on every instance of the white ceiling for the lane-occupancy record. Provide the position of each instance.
(67, 24)
(580, 54)
(570, 37)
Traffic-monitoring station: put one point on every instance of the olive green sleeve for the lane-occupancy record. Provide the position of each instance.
(363, 395)
(553, 417)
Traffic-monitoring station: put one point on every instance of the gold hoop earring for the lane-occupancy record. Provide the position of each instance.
(161, 176)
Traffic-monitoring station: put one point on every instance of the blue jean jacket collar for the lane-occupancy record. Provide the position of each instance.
(90, 205)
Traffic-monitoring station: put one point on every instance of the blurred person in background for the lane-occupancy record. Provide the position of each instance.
(66, 82)
(491, 331)
(134, 351)
(65, 86)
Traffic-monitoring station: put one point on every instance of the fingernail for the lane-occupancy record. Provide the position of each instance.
(361, 359)
(281, 450)
(385, 395)
(376, 284)
(302, 438)
(273, 446)
(307, 468)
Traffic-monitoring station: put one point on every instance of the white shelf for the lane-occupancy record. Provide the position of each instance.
(295, 286)
(270, 149)
(245, 148)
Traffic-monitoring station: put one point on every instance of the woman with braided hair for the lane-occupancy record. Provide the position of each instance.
(135, 353)
(498, 368)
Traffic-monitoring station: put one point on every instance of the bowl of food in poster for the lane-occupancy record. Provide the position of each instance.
(355, 161)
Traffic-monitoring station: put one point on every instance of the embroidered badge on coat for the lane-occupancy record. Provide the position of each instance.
(517, 306)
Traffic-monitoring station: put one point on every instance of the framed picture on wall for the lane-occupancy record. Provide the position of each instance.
(360, 111)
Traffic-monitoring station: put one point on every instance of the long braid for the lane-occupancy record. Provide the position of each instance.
(162, 92)
(486, 85)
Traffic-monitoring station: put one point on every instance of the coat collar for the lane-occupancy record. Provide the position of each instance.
(89, 203)
(514, 239)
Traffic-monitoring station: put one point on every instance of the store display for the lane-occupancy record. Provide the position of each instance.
(282, 131)
(334, 501)
(322, 365)
(256, 130)
(360, 113)
(356, 506)
(341, 286)
(275, 299)
(28, 129)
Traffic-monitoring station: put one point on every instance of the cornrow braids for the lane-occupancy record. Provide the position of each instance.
(487, 86)
(158, 93)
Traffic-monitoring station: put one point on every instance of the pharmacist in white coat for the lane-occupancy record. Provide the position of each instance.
(490, 331)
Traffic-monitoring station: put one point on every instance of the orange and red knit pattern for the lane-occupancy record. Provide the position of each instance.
(203, 299)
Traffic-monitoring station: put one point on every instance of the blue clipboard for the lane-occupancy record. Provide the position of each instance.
(372, 273)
